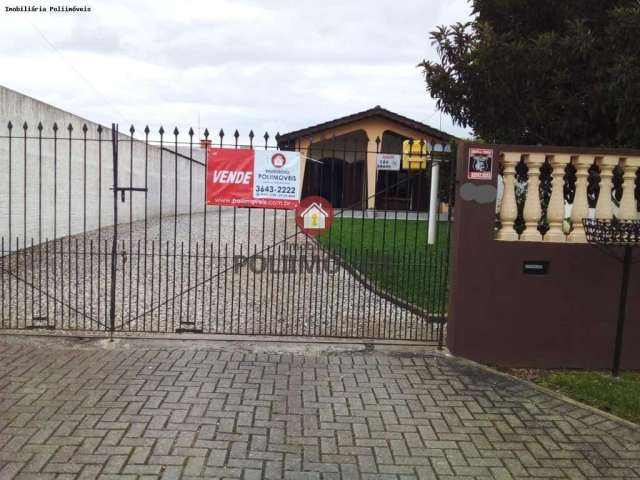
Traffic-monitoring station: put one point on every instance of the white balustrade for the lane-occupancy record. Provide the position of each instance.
(604, 208)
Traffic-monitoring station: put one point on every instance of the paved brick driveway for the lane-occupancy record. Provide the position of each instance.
(72, 409)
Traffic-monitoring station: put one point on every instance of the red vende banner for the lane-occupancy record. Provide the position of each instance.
(253, 178)
(229, 176)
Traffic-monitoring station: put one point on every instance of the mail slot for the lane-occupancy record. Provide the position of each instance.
(534, 267)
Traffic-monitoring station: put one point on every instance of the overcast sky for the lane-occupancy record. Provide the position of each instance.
(275, 65)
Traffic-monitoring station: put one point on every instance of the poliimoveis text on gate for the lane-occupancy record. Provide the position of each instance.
(305, 260)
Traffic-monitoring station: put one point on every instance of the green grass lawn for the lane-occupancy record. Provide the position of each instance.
(394, 254)
(620, 396)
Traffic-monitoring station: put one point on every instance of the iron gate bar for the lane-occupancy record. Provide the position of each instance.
(114, 241)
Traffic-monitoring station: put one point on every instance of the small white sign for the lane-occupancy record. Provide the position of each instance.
(389, 161)
(277, 176)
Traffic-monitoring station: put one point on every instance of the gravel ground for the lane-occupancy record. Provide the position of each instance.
(291, 287)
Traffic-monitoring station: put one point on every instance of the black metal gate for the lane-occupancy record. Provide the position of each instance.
(105, 232)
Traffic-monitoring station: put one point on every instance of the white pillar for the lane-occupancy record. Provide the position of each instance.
(433, 203)
(371, 174)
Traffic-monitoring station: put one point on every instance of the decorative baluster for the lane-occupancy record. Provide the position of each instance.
(532, 208)
(629, 204)
(508, 211)
(555, 211)
(580, 205)
(604, 207)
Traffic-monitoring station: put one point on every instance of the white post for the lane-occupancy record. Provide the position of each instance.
(433, 203)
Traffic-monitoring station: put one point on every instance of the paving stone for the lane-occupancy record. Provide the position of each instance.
(172, 411)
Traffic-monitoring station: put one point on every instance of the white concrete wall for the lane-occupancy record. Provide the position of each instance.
(47, 209)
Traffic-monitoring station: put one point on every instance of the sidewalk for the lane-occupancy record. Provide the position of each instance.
(159, 409)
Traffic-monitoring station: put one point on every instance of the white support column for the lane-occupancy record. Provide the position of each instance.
(433, 203)
(372, 168)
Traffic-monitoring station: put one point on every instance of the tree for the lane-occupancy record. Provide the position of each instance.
(564, 72)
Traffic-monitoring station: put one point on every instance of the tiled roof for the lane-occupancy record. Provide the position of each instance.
(376, 111)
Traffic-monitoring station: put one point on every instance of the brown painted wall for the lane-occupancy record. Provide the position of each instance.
(566, 319)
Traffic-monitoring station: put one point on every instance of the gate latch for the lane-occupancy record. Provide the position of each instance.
(128, 189)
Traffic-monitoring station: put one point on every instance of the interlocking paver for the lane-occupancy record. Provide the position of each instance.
(159, 410)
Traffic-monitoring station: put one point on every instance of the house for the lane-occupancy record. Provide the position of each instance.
(314, 217)
(341, 159)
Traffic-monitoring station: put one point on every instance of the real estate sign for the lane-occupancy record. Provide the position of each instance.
(253, 178)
